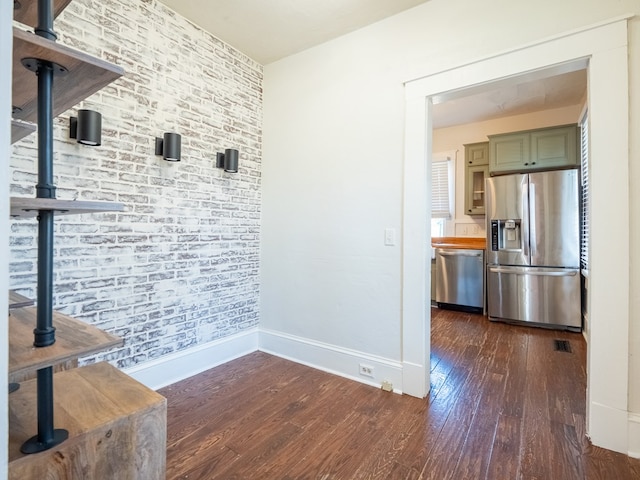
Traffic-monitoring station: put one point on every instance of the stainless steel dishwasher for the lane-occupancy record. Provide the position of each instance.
(460, 278)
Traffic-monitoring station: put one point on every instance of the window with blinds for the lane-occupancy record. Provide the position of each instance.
(584, 192)
(441, 187)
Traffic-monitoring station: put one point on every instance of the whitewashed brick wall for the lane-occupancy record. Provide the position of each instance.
(181, 266)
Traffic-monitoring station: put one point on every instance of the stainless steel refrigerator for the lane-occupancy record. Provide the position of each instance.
(533, 249)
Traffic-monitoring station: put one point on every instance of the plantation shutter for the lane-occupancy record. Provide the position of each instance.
(584, 182)
(440, 189)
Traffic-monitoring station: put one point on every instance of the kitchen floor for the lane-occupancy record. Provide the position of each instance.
(506, 402)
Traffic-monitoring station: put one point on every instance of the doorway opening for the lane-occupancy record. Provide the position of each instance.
(603, 50)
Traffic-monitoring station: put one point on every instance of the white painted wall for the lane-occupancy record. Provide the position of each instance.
(6, 42)
(333, 163)
(454, 138)
(332, 188)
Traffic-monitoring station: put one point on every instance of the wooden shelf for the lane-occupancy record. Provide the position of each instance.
(86, 75)
(18, 301)
(74, 338)
(20, 129)
(117, 428)
(26, 11)
(23, 207)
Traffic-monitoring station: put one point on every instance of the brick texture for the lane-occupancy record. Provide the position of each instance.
(181, 266)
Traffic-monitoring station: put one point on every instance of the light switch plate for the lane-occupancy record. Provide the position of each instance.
(390, 236)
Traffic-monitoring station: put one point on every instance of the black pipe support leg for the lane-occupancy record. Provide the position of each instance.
(47, 436)
(44, 333)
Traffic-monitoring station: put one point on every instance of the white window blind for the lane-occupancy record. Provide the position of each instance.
(440, 188)
(584, 183)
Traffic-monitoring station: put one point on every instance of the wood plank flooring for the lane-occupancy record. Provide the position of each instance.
(504, 404)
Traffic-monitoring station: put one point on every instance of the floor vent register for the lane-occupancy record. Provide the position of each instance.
(562, 346)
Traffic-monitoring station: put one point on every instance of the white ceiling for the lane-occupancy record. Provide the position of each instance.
(515, 97)
(268, 30)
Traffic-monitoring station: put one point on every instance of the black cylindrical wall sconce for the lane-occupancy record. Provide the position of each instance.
(169, 146)
(228, 160)
(86, 128)
(231, 160)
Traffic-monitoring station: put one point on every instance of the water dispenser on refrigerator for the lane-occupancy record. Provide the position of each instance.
(506, 235)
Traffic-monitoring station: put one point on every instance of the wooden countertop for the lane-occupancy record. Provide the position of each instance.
(479, 243)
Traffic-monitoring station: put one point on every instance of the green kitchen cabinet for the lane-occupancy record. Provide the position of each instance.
(476, 154)
(476, 167)
(531, 150)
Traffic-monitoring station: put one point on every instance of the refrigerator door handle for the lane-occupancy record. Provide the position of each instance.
(520, 271)
(526, 220)
(532, 221)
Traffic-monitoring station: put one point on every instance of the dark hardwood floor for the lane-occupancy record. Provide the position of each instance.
(504, 404)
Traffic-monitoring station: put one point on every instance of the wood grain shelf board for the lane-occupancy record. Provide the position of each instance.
(117, 427)
(27, 11)
(74, 338)
(22, 207)
(20, 129)
(58, 367)
(86, 74)
(18, 301)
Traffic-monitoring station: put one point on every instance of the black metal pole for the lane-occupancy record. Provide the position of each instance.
(45, 20)
(45, 409)
(44, 333)
(47, 436)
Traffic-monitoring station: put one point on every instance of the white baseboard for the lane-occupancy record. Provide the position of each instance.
(609, 427)
(634, 435)
(172, 368)
(329, 358)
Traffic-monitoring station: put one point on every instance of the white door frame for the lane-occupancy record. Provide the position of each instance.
(6, 56)
(603, 48)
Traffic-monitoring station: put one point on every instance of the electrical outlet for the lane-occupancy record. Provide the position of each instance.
(366, 370)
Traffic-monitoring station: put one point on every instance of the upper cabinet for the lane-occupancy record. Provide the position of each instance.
(476, 154)
(541, 149)
(476, 169)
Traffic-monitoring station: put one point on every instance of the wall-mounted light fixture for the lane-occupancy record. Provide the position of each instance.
(169, 146)
(86, 128)
(228, 160)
